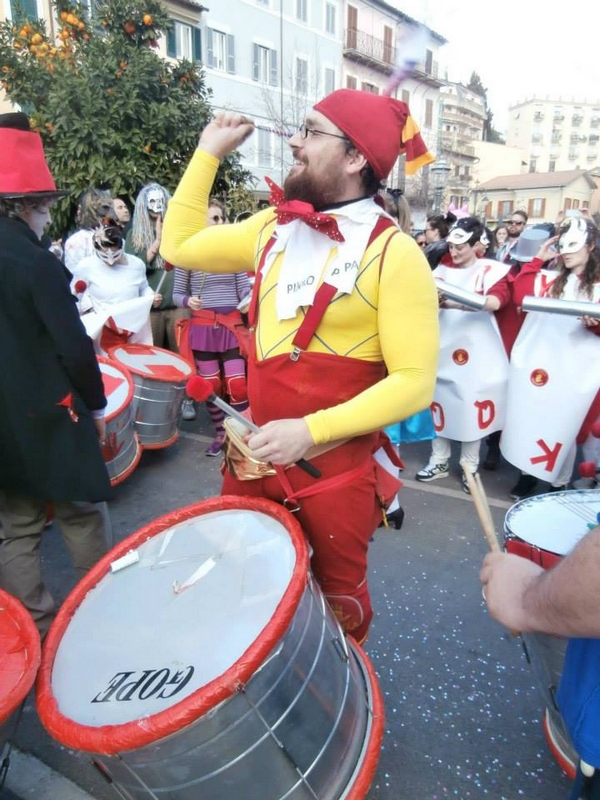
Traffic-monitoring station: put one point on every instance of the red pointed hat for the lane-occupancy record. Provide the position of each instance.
(23, 168)
(380, 128)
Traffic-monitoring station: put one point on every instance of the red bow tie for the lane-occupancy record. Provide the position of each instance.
(288, 210)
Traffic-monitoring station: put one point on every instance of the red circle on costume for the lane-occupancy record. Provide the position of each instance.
(460, 357)
(587, 469)
(539, 377)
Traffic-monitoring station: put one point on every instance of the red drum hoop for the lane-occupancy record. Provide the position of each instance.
(122, 451)
(239, 682)
(20, 653)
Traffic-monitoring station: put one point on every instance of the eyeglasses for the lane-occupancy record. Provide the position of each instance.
(304, 131)
(516, 222)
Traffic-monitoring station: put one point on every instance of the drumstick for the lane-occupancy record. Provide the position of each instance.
(198, 388)
(482, 508)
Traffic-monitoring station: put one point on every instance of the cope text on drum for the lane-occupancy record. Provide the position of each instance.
(142, 685)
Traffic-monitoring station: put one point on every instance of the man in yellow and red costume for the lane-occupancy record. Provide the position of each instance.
(345, 322)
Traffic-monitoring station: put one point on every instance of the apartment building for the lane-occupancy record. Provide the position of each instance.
(463, 117)
(556, 134)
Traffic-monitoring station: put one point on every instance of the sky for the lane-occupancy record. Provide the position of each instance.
(519, 50)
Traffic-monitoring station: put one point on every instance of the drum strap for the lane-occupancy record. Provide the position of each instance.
(292, 496)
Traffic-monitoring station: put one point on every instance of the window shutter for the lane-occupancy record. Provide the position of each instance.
(26, 8)
(230, 53)
(500, 214)
(543, 211)
(530, 208)
(210, 59)
(350, 82)
(273, 72)
(567, 203)
(171, 42)
(255, 61)
(196, 44)
(488, 210)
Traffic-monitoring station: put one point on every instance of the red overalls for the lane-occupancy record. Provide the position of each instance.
(339, 511)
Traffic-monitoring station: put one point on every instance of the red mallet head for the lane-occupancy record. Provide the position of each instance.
(596, 429)
(168, 266)
(199, 389)
(80, 287)
(587, 469)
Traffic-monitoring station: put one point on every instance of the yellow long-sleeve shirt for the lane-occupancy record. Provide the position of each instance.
(391, 315)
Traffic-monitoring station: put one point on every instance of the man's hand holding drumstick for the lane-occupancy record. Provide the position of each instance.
(227, 131)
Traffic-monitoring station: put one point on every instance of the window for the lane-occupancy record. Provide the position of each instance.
(302, 10)
(532, 164)
(25, 8)
(264, 147)
(351, 82)
(575, 204)
(264, 64)
(429, 62)
(329, 80)
(567, 203)
(301, 83)
(352, 26)
(330, 18)
(405, 97)
(552, 166)
(536, 207)
(505, 208)
(369, 87)
(184, 41)
(428, 113)
(220, 50)
(388, 44)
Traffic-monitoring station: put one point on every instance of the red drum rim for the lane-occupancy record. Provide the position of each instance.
(561, 758)
(127, 472)
(361, 783)
(145, 348)
(160, 445)
(125, 372)
(112, 739)
(21, 637)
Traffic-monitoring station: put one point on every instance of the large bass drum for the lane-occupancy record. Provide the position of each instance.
(200, 659)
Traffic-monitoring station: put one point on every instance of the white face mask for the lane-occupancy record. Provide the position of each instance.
(155, 201)
(109, 255)
(574, 238)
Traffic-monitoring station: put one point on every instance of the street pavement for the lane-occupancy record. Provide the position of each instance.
(463, 715)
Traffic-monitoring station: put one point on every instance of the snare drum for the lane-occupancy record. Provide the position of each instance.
(19, 662)
(159, 378)
(543, 529)
(122, 451)
(207, 663)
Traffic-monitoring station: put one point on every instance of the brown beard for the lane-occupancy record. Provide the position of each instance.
(304, 187)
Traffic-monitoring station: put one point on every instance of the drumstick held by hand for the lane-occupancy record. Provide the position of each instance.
(199, 389)
(482, 507)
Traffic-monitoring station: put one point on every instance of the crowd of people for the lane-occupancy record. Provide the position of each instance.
(173, 274)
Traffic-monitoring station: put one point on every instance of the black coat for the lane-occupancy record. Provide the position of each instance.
(46, 360)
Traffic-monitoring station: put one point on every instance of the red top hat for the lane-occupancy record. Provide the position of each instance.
(23, 167)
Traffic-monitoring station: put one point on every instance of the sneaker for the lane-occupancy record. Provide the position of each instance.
(188, 410)
(562, 488)
(432, 472)
(465, 484)
(523, 487)
(216, 446)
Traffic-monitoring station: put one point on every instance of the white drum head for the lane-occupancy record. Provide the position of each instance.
(148, 635)
(118, 387)
(152, 362)
(554, 522)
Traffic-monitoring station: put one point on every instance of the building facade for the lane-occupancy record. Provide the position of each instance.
(541, 195)
(556, 134)
(463, 117)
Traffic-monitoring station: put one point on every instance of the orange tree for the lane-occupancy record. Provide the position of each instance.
(111, 111)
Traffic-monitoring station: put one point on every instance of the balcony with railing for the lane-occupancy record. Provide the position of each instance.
(367, 49)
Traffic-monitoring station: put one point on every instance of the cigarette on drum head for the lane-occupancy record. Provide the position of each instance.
(462, 296)
(198, 388)
(552, 305)
(131, 557)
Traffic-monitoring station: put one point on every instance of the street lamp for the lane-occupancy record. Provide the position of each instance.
(440, 172)
(484, 201)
